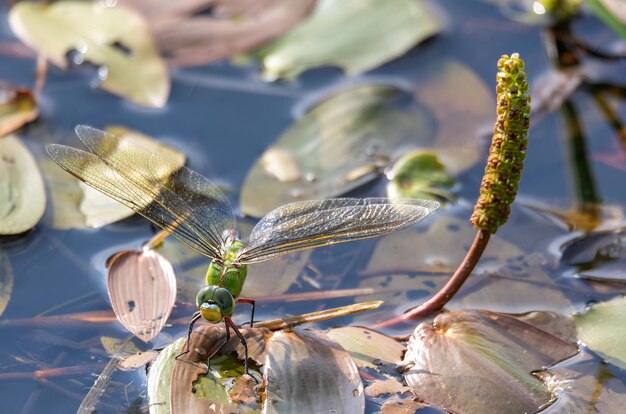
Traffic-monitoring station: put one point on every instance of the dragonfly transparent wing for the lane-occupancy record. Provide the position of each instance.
(309, 224)
(183, 203)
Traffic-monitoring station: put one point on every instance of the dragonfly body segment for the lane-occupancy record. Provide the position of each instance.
(197, 213)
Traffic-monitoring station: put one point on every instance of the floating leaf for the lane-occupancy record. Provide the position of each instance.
(17, 107)
(186, 36)
(6, 281)
(76, 205)
(305, 371)
(427, 173)
(118, 346)
(159, 378)
(22, 192)
(602, 328)
(582, 385)
(142, 289)
(113, 38)
(344, 141)
(357, 35)
(480, 362)
(368, 348)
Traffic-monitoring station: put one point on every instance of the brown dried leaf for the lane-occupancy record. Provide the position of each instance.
(480, 362)
(142, 289)
(187, 36)
(17, 107)
(132, 362)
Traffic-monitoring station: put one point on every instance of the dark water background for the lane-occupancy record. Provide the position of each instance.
(223, 117)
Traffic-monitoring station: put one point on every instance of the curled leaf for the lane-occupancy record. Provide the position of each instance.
(480, 362)
(142, 289)
(22, 192)
(17, 107)
(115, 39)
(357, 35)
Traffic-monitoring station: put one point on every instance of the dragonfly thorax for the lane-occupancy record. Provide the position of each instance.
(228, 272)
(215, 303)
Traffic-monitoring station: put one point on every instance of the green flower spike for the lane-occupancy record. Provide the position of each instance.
(508, 146)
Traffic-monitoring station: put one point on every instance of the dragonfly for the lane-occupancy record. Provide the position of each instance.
(196, 212)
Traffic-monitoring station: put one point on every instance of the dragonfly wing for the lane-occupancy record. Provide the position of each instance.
(203, 199)
(309, 224)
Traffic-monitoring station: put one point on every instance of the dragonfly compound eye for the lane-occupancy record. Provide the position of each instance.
(215, 303)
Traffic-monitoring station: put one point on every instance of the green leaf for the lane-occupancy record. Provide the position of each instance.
(114, 38)
(602, 328)
(22, 192)
(419, 174)
(612, 13)
(357, 35)
(480, 362)
(17, 107)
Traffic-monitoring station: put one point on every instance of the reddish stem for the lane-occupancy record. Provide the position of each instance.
(442, 297)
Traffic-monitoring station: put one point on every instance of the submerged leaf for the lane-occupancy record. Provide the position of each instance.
(17, 107)
(602, 328)
(22, 192)
(6, 281)
(357, 35)
(142, 289)
(480, 362)
(187, 36)
(113, 38)
(344, 141)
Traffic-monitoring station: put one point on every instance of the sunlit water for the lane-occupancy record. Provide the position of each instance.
(223, 117)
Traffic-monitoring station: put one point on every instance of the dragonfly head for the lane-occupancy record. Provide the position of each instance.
(215, 303)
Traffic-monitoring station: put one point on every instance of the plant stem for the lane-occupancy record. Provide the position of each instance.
(442, 297)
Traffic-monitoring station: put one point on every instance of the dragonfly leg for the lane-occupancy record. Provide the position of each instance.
(195, 318)
(243, 342)
(252, 303)
(219, 347)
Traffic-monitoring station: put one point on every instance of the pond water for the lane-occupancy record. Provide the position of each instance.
(223, 117)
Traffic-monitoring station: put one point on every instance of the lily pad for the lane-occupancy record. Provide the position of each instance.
(76, 205)
(17, 107)
(6, 281)
(142, 289)
(480, 362)
(602, 328)
(22, 192)
(357, 35)
(115, 39)
(159, 378)
(342, 142)
(186, 36)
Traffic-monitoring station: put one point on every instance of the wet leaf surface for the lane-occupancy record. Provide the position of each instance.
(160, 376)
(6, 281)
(22, 192)
(142, 289)
(306, 371)
(421, 174)
(480, 362)
(583, 385)
(17, 107)
(113, 38)
(602, 328)
(355, 35)
(187, 35)
(76, 205)
(342, 142)
(367, 347)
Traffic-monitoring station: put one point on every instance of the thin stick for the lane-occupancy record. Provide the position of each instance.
(156, 240)
(438, 301)
(41, 72)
